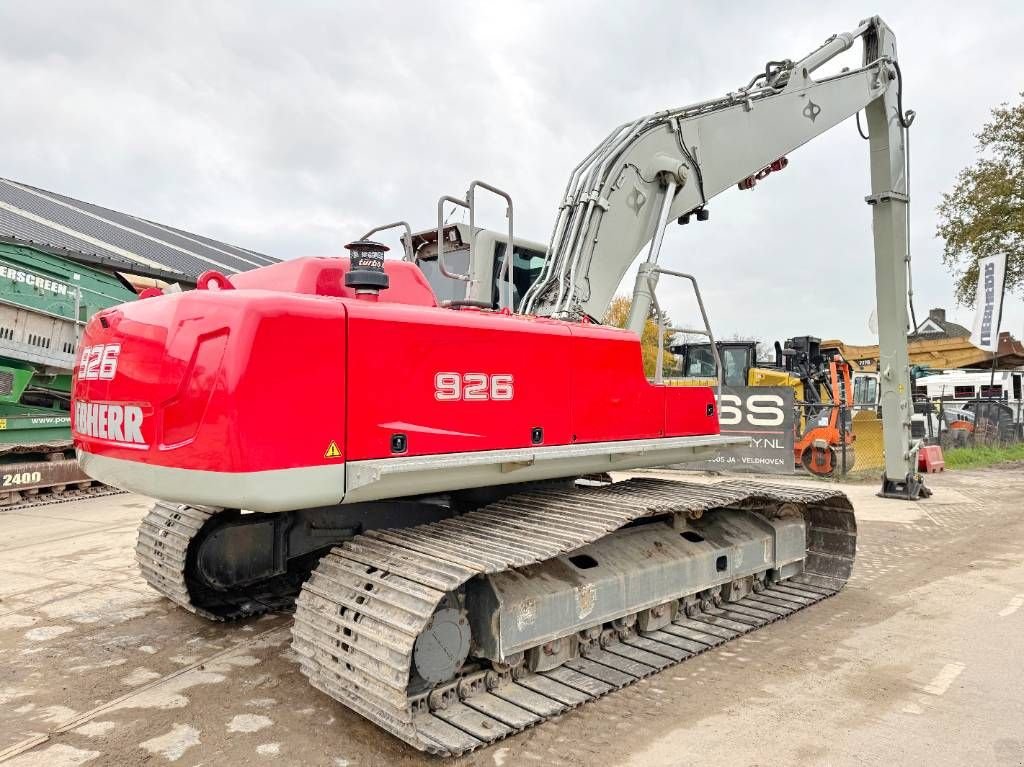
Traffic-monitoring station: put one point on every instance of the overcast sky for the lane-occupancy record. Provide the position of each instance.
(291, 128)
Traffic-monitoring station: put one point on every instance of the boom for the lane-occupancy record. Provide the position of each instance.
(670, 164)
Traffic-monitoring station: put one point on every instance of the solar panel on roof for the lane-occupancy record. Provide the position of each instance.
(56, 220)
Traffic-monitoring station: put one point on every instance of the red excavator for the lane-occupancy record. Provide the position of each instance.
(411, 473)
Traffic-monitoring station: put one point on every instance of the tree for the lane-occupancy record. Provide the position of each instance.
(618, 314)
(984, 214)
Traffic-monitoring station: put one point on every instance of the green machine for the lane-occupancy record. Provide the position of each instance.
(45, 300)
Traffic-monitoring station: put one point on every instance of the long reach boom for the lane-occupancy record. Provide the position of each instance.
(668, 165)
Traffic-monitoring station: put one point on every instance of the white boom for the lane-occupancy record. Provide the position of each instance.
(669, 164)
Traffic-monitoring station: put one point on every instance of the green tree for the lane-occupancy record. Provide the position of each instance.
(618, 315)
(984, 214)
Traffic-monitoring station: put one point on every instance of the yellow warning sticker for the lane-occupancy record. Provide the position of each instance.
(332, 450)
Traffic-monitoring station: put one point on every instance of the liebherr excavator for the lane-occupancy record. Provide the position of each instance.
(413, 471)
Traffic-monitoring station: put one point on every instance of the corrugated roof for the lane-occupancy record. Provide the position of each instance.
(35, 215)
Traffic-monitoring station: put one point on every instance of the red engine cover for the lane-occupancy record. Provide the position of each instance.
(290, 370)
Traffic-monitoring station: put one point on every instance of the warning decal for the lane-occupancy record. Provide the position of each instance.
(332, 450)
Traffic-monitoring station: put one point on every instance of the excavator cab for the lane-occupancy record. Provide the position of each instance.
(485, 266)
(697, 361)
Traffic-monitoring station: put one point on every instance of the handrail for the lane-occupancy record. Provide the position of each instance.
(507, 266)
(408, 236)
(440, 238)
(659, 374)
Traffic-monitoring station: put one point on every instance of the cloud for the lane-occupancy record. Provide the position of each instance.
(292, 128)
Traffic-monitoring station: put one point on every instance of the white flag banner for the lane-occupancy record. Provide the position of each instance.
(988, 302)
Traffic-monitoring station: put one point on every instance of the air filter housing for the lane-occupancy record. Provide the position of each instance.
(367, 266)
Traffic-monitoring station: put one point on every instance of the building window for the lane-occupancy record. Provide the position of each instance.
(964, 392)
(992, 392)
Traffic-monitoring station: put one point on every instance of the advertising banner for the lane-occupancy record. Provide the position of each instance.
(988, 302)
(763, 414)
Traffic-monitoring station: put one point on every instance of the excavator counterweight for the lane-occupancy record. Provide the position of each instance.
(432, 495)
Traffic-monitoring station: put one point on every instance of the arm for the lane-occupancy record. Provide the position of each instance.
(665, 165)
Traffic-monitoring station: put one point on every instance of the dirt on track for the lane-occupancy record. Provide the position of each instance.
(914, 661)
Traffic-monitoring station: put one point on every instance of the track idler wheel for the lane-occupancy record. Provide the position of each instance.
(442, 648)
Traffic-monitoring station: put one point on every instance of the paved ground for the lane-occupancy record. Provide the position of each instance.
(918, 660)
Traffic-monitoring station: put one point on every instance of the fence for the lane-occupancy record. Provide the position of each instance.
(837, 441)
(977, 423)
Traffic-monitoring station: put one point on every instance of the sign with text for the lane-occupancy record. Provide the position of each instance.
(988, 299)
(763, 414)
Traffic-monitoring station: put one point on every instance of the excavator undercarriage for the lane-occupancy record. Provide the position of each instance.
(455, 633)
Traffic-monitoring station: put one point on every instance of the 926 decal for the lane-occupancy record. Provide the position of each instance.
(98, 363)
(473, 387)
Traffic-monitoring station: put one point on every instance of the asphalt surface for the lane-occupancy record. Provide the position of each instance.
(918, 660)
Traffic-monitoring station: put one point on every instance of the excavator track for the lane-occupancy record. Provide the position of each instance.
(32, 473)
(164, 552)
(359, 615)
(56, 497)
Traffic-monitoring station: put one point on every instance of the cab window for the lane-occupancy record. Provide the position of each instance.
(734, 361)
(865, 390)
(445, 288)
(700, 363)
(526, 266)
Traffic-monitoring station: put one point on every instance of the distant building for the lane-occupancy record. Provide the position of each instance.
(105, 238)
(939, 344)
(936, 326)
